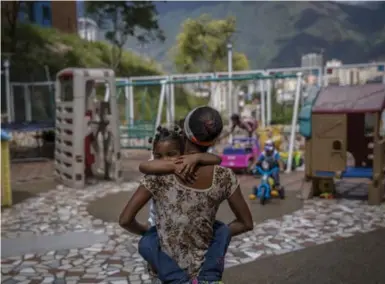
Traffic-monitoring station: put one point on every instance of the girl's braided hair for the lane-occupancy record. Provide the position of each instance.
(165, 134)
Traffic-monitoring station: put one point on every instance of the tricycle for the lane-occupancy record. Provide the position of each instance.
(241, 154)
(296, 162)
(267, 188)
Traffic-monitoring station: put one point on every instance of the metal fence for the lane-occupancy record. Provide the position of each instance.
(35, 101)
(32, 101)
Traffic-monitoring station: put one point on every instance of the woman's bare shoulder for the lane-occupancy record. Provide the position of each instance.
(224, 173)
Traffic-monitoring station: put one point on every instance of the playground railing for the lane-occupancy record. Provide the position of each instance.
(136, 136)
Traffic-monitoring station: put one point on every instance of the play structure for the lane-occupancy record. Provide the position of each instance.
(135, 133)
(6, 192)
(241, 155)
(336, 120)
(138, 126)
(87, 130)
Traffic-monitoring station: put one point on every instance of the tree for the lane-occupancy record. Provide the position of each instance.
(202, 46)
(123, 19)
(281, 112)
(10, 11)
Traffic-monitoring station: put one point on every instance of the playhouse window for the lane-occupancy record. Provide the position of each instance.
(337, 145)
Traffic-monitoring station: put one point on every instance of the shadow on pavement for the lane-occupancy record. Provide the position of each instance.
(23, 191)
(355, 260)
(109, 207)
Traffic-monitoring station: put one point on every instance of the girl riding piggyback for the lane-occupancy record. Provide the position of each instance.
(187, 244)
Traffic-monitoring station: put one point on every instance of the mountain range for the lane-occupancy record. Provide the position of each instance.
(276, 34)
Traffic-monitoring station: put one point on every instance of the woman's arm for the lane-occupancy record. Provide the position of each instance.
(157, 167)
(127, 218)
(243, 221)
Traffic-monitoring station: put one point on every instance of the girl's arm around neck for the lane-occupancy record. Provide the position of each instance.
(244, 220)
(208, 159)
(127, 219)
(157, 167)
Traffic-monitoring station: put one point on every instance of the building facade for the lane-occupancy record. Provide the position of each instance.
(312, 60)
(338, 74)
(88, 29)
(61, 15)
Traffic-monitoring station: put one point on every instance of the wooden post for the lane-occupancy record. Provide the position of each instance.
(308, 156)
(376, 187)
(308, 191)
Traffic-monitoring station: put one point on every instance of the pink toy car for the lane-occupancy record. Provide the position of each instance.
(239, 156)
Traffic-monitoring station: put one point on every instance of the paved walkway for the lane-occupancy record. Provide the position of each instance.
(70, 236)
(116, 260)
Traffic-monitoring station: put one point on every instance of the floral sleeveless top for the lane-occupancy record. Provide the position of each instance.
(185, 216)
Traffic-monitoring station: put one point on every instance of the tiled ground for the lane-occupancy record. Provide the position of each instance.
(22, 173)
(117, 260)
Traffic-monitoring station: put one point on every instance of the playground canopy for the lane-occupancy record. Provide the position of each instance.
(351, 99)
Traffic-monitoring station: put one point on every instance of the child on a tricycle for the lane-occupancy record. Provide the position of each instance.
(268, 165)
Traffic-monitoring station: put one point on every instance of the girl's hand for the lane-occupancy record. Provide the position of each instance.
(188, 164)
(183, 176)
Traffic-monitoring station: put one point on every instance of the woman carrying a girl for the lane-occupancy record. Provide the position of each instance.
(187, 244)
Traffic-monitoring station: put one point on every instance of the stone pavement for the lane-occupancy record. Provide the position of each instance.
(113, 257)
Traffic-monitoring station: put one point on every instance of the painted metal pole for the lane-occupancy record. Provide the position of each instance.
(130, 91)
(172, 102)
(230, 84)
(268, 101)
(27, 103)
(51, 89)
(218, 79)
(160, 105)
(257, 106)
(320, 77)
(294, 122)
(325, 79)
(106, 93)
(126, 104)
(168, 102)
(236, 99)
(6, 66)
(212, 101)
(263, 103)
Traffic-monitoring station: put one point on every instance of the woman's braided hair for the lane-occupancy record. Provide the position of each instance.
(165, 134)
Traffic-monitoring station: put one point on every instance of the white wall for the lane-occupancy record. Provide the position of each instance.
(88, 29)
